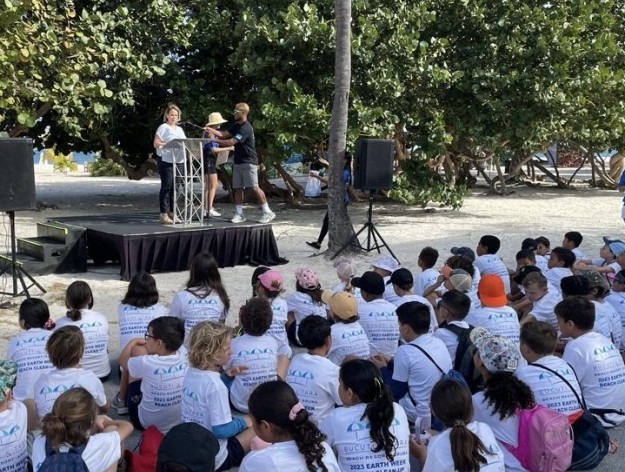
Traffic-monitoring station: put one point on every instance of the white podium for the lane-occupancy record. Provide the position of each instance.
(188, 180)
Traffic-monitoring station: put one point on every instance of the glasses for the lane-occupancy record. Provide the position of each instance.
(148, 335)
(236, 112)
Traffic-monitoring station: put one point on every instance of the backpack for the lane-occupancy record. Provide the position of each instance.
(463, 362)
(545, 440)
(70, 461)
(145, 456)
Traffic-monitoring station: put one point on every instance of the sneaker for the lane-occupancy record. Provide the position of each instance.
(238, 219)
(314, 244)
(119, 405)
(267, 217)
(214, 213)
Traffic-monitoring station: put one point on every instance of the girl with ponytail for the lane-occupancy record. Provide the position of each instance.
(370, 432)
(465, 445)
(296, 442)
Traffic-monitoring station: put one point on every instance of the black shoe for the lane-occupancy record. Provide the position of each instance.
(314, 244)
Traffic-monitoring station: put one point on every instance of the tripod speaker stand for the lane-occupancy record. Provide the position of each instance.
(16, 268)
(373, 237)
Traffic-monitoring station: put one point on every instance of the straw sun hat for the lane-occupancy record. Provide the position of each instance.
(215, 119)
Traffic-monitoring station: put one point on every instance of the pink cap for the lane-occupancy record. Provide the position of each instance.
(307, 278)
(271, 280)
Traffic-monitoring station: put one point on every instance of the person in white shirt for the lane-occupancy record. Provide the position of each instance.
(65, 348)
(543, 298)
(377, 316)
(313, 377)
(488, 262)
(418, 364)
(73, 424)
(345, 270)
(402, 283)
(607, 262)
(464, 444)
(495, 315)
(497, 359)
(598, 288)
(572, 240)
(426, 262)
(530, 244)
(205, 297)
(560, 262)
(371, 431)
(254, 352)
(305, 301)
(157, 365)
(94, 326)
(348, 336)
(453, 308)
(28, 350)
(616, 298)
(538, 344)
(13, 421)
(296, 444)
(205, 396)
(139, 306)
(595, 359)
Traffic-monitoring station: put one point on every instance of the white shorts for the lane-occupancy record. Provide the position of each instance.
(623, 212)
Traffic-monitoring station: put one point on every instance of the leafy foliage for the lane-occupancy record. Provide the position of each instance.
(102, 167)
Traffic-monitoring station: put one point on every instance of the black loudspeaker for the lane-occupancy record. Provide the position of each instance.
(17, 175)
(373, 169)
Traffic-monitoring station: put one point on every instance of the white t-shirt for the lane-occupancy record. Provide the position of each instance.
(102, 451)
(578, 253)
(348, 339)
(95, 329)
(348, 433)
(449, 338)
(161, 385)
(502, 321)
(277, 330)
(544, 309)
(617, 300)
(205, 402)
(412, 366)
(389, 291)
(13, 424)
(439, 456)
(283, 457)
(608, 321)
(506, 430)
(556, 274)
(28, 350)
(316, 383)
(355, 291)
(166, 133)
(50, 386)
(193, 308)
(133, 321)
(423, 280)
(542, 263)
(302, 305)
(492, 264)
(379, 320)
(600, 370)
(260, 355)
(426, 302)
(549, 389)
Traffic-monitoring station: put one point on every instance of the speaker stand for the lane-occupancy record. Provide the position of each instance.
(374, 238)
(16, 269)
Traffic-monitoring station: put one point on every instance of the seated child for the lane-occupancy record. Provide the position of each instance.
(616, 297)
(385, 266)
(254, 355)
(94, 326)
(530, 244)
(296, 444)
(205, 297)
(495, 315)
(607, 262)
(538, 344)
(488, 262)
(74, 423)
(426, 262)
(156, 366)
(371, 431)
(187, 447)
(65, 349)
(13, 421)
(412, 374)
(348, 338)
(402, 283)
(596, 360)
(464, 444)
(270, 284)
(453, 308)
(543, 247)
(377, 315)
(305, 301)
(572, 240)
(314, 378)
(559, 266)
(205, 397)
(543, 299)
(603, 310)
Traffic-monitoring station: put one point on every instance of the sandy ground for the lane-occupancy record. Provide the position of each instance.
(545, 211)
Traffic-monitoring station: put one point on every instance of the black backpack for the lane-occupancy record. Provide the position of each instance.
(463, 362)
(70, 461)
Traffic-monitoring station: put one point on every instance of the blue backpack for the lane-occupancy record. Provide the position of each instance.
(70, 461)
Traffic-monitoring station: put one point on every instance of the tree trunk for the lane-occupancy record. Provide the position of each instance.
(616, 165)
(340, 227)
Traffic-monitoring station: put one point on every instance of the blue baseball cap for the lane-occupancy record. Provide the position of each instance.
(616, 246)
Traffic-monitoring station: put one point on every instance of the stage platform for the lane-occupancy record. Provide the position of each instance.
(138, 242)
